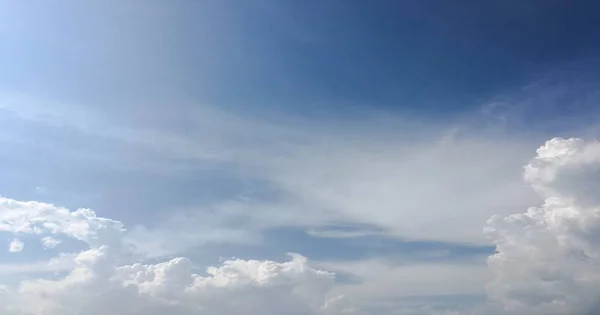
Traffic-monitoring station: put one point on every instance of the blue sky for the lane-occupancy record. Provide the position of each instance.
(376, 139)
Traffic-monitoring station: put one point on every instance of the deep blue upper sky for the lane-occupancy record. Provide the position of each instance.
(398, 53)
(404, 55)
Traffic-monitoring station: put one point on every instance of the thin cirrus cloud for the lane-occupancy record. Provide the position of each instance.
(312, 175)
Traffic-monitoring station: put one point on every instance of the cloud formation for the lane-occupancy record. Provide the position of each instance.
(50, 242)
(106, 279)
(16, 246)
(548, 258)
(38, 218)
(99, 285)
(395, 175)
(547, 262)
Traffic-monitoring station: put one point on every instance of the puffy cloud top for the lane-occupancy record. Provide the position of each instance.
(103, 280)
(548, 258)
(34, 217)
(98, 286)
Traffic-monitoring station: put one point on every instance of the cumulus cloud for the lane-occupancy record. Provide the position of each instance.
(104, 279)
(16, 246)
(98, 285)
(50, 242)
(548, 258)
(32, 217)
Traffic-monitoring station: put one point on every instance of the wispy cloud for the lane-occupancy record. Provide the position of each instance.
(395, 177)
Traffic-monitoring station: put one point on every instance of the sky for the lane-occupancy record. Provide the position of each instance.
(282, 157)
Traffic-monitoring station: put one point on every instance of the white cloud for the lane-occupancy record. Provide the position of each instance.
(103, 279)
(402, 186)
(42, 190)
(548, 259)
(40, 218)
(368, 176)
(16, 246)
(98, 285)
(393, 287)
(177, 234)
(50, 242)
(29, 269)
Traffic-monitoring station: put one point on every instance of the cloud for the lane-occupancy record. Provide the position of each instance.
(401, 186)
(182, 231)
(16, 246)
(30, 269)
(344, 232)
(384, 286)
(393, 174)
(50, 242)
(97, 285)
(38, 218)
(106, 278)
(548, 258)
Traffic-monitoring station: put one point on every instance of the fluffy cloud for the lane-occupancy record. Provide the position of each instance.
(104, 279)
(548, 258)
(50, 242)
(16, 246)
(98, 285)
(32, 217)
